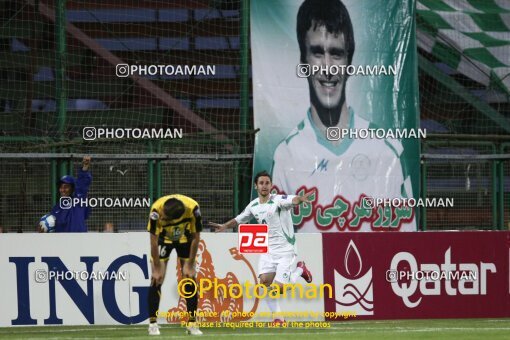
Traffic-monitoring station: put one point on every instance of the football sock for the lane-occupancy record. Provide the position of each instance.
(154, 297)
(296, 274)
(274, 307)
(191, 303)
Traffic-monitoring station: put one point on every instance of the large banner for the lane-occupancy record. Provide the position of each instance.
(418, 275)
(336, 102)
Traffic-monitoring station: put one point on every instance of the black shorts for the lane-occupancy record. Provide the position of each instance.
(165, 249)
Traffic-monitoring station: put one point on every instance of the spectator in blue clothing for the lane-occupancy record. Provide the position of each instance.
(70, 217)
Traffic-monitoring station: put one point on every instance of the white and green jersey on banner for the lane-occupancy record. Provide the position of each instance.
(342, 175)
(276, 214)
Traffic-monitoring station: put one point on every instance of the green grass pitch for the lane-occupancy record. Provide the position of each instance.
(394, 329)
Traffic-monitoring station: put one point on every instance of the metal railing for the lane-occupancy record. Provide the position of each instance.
(473, 174)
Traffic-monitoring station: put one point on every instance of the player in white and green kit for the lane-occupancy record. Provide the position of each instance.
(279, 264)
(340, 172)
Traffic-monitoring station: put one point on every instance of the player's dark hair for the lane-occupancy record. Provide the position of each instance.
(262, 174)
(173, 208)
(329, 13)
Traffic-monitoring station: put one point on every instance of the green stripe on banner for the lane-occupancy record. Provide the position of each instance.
(425, 27)
(483, 56)
(437, 5)
(489, 22)
(434, 19)
(486, 6)
(446, 54)
(486, 40)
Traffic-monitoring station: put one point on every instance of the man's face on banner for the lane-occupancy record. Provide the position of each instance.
(326, 49)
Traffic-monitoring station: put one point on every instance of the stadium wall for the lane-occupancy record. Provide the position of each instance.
(373, 276)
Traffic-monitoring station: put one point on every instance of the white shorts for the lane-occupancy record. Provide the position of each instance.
(281, 264)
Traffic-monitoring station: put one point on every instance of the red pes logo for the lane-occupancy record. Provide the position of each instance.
(253, 238)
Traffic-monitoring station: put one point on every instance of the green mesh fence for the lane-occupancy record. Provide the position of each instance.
(61, 88)
(470, 182)
(59, 75)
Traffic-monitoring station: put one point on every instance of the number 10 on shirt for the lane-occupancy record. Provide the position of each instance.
(253, 238)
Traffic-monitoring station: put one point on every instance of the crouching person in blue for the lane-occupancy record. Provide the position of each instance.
(70, 217)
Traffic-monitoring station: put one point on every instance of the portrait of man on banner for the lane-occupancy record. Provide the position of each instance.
(334, 150)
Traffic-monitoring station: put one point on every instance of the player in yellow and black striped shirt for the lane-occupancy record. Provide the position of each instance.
(174, 222)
